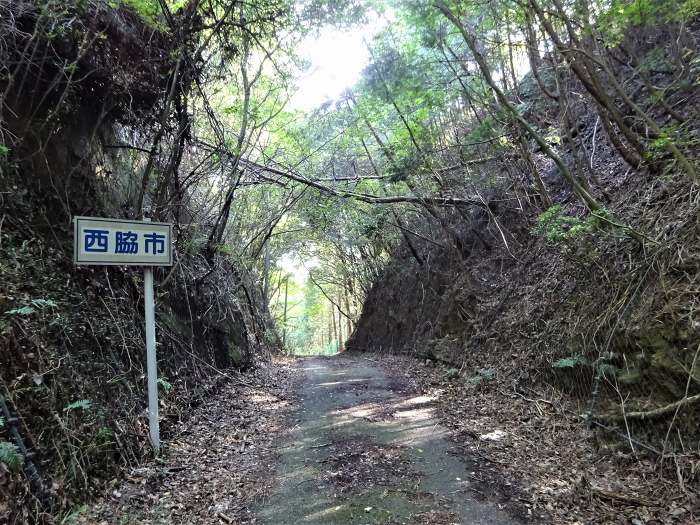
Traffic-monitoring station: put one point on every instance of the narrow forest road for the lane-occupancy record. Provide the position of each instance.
(323, 440)
(361, 452)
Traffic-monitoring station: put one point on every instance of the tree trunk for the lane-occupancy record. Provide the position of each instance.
(588, 199)
(284, 314)
(335, 327)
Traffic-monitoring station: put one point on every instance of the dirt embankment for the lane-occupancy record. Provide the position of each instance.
(529, 451)
(558, 344)
(80, 85)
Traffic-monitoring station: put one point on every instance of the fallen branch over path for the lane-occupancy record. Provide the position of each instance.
(363, 197)
(658, 412)
(619, 497)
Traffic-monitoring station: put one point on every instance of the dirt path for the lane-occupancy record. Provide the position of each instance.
(362, 453)
(317, 441)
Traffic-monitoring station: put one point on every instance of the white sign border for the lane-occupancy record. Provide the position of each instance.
(78, 262)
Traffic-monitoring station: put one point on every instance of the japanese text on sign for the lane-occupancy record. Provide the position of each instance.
(112, 241)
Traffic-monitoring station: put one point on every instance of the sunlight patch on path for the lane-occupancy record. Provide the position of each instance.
(361, 453)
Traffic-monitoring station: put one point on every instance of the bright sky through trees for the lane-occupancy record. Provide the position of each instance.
(336, 59)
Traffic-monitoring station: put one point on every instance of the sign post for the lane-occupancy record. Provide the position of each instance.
(115, 242)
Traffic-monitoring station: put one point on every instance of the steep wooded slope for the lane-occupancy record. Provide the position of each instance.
(517, 301)
(78, 85)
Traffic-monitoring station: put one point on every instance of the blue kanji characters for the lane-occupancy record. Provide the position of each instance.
(126, 242)
(156, 242)
(96, 240)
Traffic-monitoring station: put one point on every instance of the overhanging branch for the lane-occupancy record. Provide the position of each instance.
(290, 174)
(363, 197)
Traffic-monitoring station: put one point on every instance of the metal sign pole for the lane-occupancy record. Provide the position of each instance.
(151, 363)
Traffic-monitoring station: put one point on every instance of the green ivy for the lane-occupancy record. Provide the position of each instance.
(23, 310)
(559, 228)
(31, 308)
(570, 362)
(10, 456)
(165, 384)
(149, 10)
(552, 136)
(623, 14)
(80, 404)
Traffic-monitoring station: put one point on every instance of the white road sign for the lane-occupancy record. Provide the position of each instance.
(99, 241)
(119, 242)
